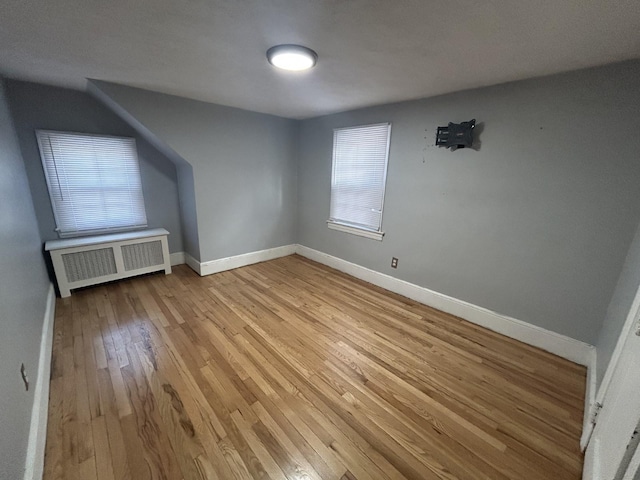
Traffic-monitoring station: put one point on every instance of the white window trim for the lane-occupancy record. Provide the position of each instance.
(362, 232)
(98, 231)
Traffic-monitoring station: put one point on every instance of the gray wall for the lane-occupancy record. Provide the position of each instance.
(536, 224)
(244, 166)
(188, 212)
(23, 293)
(623, 296)
(36, 106)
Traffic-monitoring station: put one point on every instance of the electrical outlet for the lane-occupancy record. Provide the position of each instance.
(394, 262)
(25, 378)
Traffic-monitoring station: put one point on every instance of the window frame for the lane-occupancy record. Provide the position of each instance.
(345, 226)
(97, 231)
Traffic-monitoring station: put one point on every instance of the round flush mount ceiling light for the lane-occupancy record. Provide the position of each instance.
(292, 57)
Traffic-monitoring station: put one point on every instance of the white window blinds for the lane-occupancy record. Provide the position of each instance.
(94, 182)
(360, 156)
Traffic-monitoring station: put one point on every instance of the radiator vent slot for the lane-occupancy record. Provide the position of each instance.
(89, 264)
(142, 255)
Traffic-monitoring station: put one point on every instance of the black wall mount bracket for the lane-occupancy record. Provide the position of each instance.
(456, 135)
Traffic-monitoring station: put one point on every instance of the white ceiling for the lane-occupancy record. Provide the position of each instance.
(370, 52)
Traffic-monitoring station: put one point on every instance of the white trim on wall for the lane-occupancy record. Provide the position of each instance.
(237, 261)
(355, 231)
(34, 464)
(193, 263)
(177, 258)
(617, 352)
(589, 400)
(558, 344)
(599, 397)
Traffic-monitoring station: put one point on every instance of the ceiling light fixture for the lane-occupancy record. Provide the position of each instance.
(292, 57)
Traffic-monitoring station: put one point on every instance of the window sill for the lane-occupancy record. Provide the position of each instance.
(355, 230)
(99, 231)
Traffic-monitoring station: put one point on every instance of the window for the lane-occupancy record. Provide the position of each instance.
(360, 157)
(94, 182)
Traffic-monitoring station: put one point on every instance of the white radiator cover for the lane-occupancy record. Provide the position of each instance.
(80, 262)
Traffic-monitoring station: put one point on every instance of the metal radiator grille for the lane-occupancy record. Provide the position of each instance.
(142, 255)
(90, 264)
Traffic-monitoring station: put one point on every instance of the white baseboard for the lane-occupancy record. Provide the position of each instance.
(192, 262)
(558, 344)
(177, 258)
(34, 465)
(237, 261)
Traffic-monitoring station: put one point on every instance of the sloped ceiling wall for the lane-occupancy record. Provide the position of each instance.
(243, 164)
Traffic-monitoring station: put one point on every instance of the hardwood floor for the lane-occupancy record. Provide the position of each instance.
(291, 370)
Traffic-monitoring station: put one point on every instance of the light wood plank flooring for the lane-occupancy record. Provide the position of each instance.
(290, 370)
